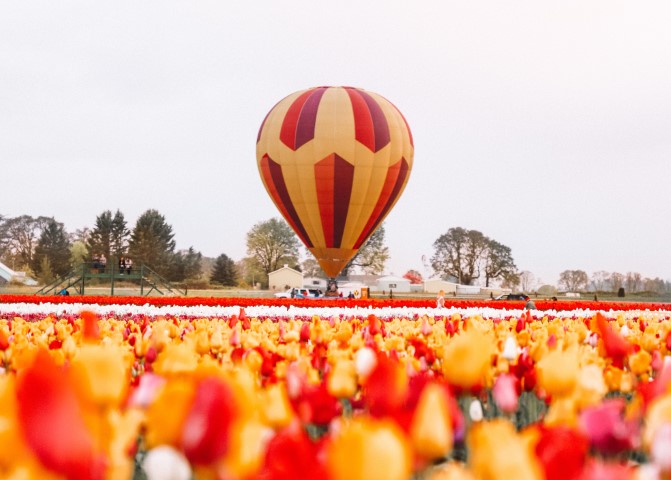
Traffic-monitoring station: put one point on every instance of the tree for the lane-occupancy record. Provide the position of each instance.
(573, 280)
(372, 256)
(271, 244)
(78, 253)
(310, 267)
(633, 282)
(224, 271)
(511, 280)
(109, 236)
(18, 238)
(616, 281)
(526, 280)
(600, 281)
(187, 265)
(497, 262)
(458, 253)
(152, 243)
(53, 245)
(414, 276)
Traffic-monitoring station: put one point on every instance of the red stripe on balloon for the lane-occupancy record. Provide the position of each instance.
(298, 126)
(393, 184)
(370, 124)
(334, 177)
(274, 178)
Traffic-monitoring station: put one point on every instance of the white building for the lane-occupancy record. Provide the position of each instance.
(435, 285)
(395, 284)
(285, 278)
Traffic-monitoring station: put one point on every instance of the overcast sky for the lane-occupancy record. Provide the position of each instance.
(546, 125)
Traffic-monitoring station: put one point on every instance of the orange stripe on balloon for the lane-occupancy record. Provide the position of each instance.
(334, 177)
(393, 184)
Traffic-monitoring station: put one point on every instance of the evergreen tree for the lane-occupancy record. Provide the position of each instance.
(119, 234)
(187, 265)
(53, 245)
(224, 271)
(152, 243)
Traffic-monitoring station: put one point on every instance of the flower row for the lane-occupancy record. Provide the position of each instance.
(345, 394)
(541, 304)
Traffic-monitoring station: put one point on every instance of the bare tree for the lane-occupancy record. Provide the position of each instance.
(600, 280)
(616, 281)
(656, 285)
(632, 282)
(573, 280)
(526, 280)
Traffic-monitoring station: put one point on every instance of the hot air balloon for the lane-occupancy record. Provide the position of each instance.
(334, 160)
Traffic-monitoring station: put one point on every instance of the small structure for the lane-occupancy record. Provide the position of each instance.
(435, 285)
(395, 284)
(8, 275)
(284, 278)
(315, 282)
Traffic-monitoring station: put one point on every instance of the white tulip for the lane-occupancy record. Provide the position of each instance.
(166, 463)
(475, 411)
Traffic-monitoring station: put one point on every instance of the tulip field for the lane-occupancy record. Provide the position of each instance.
(268, 389)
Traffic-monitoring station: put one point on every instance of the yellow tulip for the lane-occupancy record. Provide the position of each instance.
(103, 371)
(499, 452)
(277, 410)
(342, 381)
(431, 427)
(558, 372)
(467, 359)
(367, 449)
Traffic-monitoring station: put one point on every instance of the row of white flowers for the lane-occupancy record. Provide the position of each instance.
(284, 312)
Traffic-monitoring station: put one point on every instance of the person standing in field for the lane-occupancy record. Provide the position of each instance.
(440, 301)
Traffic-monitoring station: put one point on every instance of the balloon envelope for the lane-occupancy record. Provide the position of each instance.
(335, 161)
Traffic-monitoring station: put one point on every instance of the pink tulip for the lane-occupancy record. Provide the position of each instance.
(607, 429)
(505, 393)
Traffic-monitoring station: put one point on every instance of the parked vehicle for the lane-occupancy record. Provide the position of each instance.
(300, 293)
(513, 296)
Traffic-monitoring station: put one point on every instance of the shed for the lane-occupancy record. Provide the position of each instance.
(284, 278)
(435, 285)
(396, 284)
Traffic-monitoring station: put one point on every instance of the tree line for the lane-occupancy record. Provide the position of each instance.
(41, 247)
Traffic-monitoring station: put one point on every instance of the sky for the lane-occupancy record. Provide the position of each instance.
(546, 125)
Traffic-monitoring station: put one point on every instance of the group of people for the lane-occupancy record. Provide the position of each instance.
(125, 265)
(100, 264)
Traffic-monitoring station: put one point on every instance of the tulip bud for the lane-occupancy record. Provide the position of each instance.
(166, 463)
(661, 447)
(364, 362)
(342, 380)
(509, 349)
(505, 393)
(475, 411)
(431, 428)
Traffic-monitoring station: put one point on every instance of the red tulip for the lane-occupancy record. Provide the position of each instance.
(52, 423)
(291, 455)
(205, 436)
(617, 347)
(562, 452)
